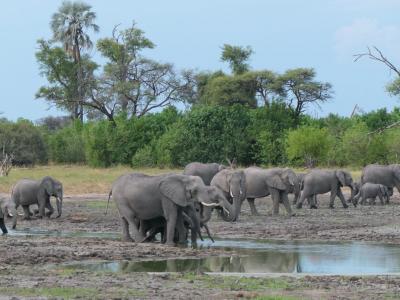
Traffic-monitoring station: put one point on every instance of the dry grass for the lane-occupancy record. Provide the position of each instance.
(76, 179)
(84, 180)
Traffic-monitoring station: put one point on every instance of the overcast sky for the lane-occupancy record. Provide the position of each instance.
(283, 33)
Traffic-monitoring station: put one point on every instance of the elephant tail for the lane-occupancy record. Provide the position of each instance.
(108, 201)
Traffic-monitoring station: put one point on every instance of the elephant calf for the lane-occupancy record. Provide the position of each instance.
(371, 191)
(28, 192)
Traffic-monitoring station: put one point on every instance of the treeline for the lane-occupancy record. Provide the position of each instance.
(263, 136)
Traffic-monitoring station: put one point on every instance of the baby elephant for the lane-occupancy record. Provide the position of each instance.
(28, 192)
(371, 191)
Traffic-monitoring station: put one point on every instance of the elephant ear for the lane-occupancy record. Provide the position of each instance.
(341, 177)
(276, 182)
(46, 185)
(173, 188)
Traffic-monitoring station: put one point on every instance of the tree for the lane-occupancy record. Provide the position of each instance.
(135, 84)
(237, 58)
(63, 84)
(229, 90)
(69, 26)
(268, 86)
(302, 89)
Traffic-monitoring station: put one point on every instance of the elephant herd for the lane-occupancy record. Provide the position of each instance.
(174, 205)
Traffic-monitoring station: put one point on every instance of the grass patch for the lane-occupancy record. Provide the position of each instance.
(275, 298)
(98, 204)
(63, 292)
(72, 292)
(75, 178)
(238, 283)
(79, 179)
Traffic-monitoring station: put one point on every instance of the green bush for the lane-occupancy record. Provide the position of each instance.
(144, 157)
(24, 141)
(308, 145)
(67, 145)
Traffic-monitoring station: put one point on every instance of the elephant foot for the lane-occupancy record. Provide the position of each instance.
(170, 244)
(39, 217)
(48, 214)
(313, 206)
(27, 218)
(127, 239)
(345, 206)
(331, 207)
(292, 214)
(299, 206)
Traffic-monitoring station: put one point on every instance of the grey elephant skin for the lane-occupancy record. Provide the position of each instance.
(277, 182)
(4, 204)
(206, 171)
(142, 197)
(323, 181)
(27, 192)
(233, 185)
(371, 191)
(388, 175)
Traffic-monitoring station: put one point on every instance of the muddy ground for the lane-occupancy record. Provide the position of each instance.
(34, 267)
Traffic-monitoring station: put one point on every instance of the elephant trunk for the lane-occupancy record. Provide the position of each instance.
(59, 206)
(206, 214)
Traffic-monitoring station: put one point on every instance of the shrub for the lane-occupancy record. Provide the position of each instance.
(67, 145)
(308, 145)
(24, 140)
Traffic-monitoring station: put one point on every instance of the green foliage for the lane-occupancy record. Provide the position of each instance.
(308, 145)
(237, 58)
(24, 141)
(269, 127)
(207, 134)
(229, 90)
(67, 145)
(380, 118)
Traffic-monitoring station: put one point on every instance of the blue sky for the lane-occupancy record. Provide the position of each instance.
(283, 33)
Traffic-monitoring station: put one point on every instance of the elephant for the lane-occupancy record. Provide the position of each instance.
(388, 175)
(233, 185)
(296, 190)
(277, 182)
(371, 191)
(322, 181)
(205, 171)
(3, 213)
(142, 197)
(27, 192)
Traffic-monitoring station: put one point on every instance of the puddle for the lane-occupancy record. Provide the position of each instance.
(349, 258)
(56, 233)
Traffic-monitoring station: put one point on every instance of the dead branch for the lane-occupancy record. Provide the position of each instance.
(380, 130)
(377, 56)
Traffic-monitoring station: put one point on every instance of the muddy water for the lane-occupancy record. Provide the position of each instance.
(352, 258)
(55, 233)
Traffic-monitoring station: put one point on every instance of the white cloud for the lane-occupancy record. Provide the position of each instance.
(354, 38)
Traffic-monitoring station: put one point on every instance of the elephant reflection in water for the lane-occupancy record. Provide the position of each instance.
(262, 262)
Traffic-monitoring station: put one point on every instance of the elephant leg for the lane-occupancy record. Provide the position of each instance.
(41, 205)
(312, 201)
(341, 197)
(27, 212)
(253, 208)
(332, 198)
(381, 199)
(3, 226)
(275, 194)
(50, 208)
(180, 226)
(286, 203)
(126, 237)
(304, 195)
(171, 223)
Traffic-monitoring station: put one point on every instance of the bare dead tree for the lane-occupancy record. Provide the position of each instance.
(377, 55)
(6, 163)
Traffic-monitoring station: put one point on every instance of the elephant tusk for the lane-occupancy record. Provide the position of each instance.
(230, 192)
(10, 214)
(227, 211)
(210, 204)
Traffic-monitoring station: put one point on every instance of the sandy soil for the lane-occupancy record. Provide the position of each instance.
(27, 263)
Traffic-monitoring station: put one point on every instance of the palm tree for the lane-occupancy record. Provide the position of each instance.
(70, 25)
